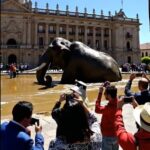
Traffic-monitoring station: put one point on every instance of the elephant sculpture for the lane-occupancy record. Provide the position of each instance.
(78, 61)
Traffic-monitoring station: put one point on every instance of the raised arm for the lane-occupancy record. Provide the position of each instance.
(98, 108)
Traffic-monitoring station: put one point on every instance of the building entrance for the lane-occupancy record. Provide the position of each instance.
(12, 59)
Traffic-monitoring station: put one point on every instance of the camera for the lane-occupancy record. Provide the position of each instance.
(138, 74)
(35, 120)
(127, 99)
(69, 97)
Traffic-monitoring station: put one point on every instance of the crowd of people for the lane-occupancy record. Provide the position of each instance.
(78, 127)
(127, 67)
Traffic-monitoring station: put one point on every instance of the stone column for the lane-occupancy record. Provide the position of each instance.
(29, 34)
(76, 33)
(46, 35)
(94, 38)
(24, 34)
(57, 30)
(110, 39)
(67, 31)
(35, 34)
(137, 35)
(85, 35)
(102, 38)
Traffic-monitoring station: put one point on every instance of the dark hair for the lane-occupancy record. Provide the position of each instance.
(75, 124)
(112, 91)
(21, 110)
(143, 84)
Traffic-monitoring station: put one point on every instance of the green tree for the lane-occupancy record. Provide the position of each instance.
(145, 60)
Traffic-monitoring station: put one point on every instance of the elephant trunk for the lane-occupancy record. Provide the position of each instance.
(41, 71)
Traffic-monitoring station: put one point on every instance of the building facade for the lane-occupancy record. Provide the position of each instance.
(27, 30)
(145, 49)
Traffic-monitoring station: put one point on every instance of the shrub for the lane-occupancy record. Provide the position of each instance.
(145, 60)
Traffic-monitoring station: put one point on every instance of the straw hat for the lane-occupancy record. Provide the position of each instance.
(142, 116)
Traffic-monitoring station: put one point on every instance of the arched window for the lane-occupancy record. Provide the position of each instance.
(146, 54)
(11, 43)
(12, 59)
(142, 54)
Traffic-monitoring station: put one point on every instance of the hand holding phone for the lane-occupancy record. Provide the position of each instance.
(34, 121)
(127, 99)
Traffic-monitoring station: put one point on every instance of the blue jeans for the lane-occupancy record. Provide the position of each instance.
(109, 143)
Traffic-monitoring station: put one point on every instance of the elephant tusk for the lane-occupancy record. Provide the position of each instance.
(38, 68)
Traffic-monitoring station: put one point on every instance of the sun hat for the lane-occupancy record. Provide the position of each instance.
(142, 116)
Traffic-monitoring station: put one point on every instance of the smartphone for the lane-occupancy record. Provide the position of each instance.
(127, 99)
(138, 74)
(35, 120)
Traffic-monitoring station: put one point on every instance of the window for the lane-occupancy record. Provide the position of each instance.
(89, 32)
(80, 40)
(129, 59)
(81, 31)
(128, 46)
(71, 30)
(146, 54)
(142, 54)
(128, 35)
(61, 29)
(89, 43)
(50, 40)
(51, 28)
(98, 33)
(41, 29)
(97, 44)
(106, 32)
(106, 44)
(41, 42)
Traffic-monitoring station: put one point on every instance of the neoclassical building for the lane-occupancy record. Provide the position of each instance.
(27, 30)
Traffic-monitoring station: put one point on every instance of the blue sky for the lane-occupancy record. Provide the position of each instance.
(130, 7)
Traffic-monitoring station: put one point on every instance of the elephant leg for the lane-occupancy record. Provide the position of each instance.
(68, 77)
